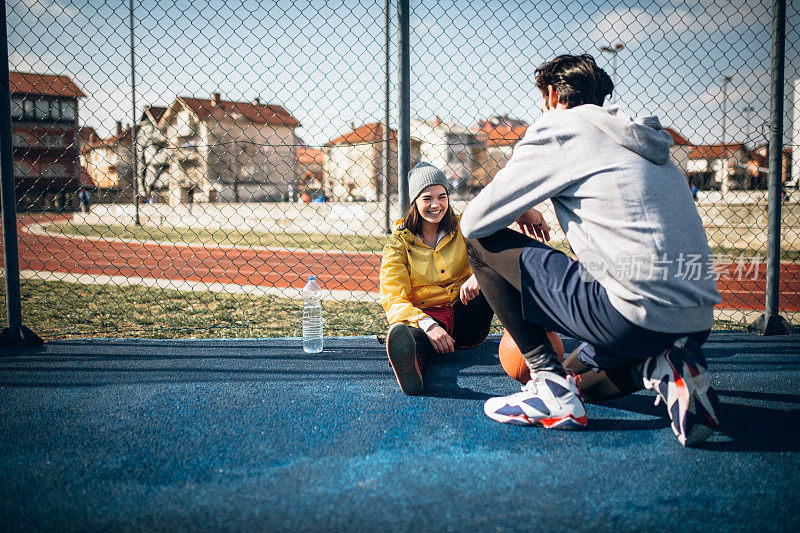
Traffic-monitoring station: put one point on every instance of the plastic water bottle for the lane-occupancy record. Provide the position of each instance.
(312, 316)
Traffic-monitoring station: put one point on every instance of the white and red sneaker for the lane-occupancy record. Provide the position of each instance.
(547, 400)
(678, 377)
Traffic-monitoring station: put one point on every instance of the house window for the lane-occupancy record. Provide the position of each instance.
(21, 169)
(69, 111)
(51, 141)
(55, 112)
(27, 106)
(56, 169)
(17, 111)
(42, 109)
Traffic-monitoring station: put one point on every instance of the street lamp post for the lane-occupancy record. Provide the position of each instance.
(748, 111)
(725, 80)
(724, 185)
(613, 50)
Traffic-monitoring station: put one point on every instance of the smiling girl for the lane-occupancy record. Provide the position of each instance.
(431, 298)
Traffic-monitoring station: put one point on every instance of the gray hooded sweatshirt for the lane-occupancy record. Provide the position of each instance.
(625, 208)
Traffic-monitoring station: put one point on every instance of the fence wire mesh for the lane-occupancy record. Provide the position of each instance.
(182, 167)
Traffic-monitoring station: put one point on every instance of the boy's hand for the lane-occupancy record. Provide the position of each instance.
(469, 289)
(532, 223)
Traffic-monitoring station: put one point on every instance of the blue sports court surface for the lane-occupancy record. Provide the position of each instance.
(256, 435)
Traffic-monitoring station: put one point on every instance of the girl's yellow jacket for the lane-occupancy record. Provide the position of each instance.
(414, 276)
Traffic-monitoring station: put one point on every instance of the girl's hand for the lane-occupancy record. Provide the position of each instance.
(532, 223)
(442, 342)
(469, 289)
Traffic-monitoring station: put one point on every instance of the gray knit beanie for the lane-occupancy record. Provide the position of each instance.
(424, 175)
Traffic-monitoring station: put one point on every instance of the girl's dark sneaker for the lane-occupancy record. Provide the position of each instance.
(402, 352)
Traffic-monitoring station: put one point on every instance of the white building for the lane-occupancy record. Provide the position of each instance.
(153, 165)
(450, 147)
(232, 151)
(110, 167)
(679, 152)
(715, 166)
(498, 136)
(353, 163)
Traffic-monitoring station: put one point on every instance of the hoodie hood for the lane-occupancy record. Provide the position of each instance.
(642, 135)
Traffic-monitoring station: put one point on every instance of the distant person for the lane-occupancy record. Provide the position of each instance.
(61, 202)
(432, 300)
(694, 191)
(85, 200)
(641, 313)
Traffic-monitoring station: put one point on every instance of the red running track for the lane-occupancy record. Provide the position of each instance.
(740, 288)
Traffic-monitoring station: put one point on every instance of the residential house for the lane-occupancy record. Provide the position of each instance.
(153, 165)
(679, 152)
(45, 139)
(451, 148)
(110, 167)
(717, 166)
(498, 135)
(88, 140)
(756, 167)
(353, 166)
(311, 178)
(230, 151)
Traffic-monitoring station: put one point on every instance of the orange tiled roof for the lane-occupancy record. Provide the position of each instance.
(257, 113)
(501, 135)
(714, 151)
(677, 137)
(307, 155)
(368, 133)
(43, 85)
(89, 138)
(123, 137)
(155, 112)
(89, 135)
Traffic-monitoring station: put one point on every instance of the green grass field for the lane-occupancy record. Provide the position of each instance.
(61, 310)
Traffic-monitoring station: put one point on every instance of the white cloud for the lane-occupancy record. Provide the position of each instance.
(635, 25)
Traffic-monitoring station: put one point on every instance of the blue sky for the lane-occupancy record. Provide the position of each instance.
(324, 61)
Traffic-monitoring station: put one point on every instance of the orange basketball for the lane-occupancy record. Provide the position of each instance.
(511, 358)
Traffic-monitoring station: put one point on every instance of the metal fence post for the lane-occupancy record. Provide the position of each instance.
(404, 95)
(771, 323)
(387, 132)
(15, 334)
(134, 147)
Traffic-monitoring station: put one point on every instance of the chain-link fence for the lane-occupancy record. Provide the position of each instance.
(182, 167)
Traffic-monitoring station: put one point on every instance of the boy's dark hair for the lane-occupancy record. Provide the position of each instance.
(576, 80)
(412, 221)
